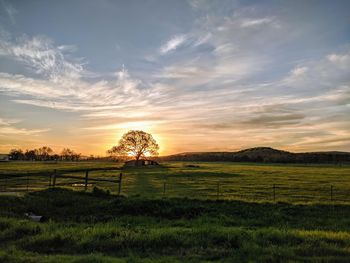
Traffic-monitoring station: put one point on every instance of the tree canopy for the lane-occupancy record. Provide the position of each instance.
(136, 144)
(44, 153)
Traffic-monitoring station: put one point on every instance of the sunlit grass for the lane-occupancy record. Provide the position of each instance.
(240, 181)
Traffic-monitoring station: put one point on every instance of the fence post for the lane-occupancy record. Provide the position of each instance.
(5, 183)
(120, 183)
(274, 192)
(331, 193)
(50, 180)
(218, 191)
(27, 182)
(86, 179)
(54, 178)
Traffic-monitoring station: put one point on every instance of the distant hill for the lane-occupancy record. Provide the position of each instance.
(261, 154)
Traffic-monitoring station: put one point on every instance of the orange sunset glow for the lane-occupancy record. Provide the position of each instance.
(206, 82)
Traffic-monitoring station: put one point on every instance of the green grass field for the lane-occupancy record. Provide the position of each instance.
(252, 182)
(187, 223)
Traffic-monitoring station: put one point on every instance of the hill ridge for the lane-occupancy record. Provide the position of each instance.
(262, 154)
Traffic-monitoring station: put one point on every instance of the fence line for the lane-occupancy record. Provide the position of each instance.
(271, 193)
(217, 189)
(51, 178)
(64, 171)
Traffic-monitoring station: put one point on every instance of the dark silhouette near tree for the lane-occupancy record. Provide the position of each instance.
(136, 144)
(16, 154)
(44, 153)
(30, 155)
(69, 155)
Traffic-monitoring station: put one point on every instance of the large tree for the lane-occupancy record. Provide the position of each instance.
(136, 144)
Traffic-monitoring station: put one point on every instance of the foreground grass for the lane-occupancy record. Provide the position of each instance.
(97, 227)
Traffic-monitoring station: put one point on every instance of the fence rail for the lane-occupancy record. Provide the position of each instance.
(64, 171)
(17, 181)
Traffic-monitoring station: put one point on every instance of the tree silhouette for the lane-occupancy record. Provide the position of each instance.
(69, 155)
(137, 144)
(44, 153)
(16, 154)
(30, 155)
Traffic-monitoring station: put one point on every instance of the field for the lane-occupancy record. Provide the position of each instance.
(226, 212)
(237, 181)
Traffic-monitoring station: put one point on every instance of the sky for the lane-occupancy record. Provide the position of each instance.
(198, 75)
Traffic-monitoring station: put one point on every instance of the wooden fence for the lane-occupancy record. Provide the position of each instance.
(26, 182)
(51, 179)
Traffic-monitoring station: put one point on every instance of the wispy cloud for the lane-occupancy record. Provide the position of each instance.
(340, 60)
(8, 122)
(299, 71)
(10, 11)
(78, 96)
(172, 44)
(250, 22)
(60, 84)
(40, 54)
(7, 127)
(202, 39)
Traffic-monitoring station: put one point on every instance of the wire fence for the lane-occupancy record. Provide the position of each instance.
(117, 183)
(274, 193)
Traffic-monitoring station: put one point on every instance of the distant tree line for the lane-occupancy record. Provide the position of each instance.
(262, 154)
(44, 153)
